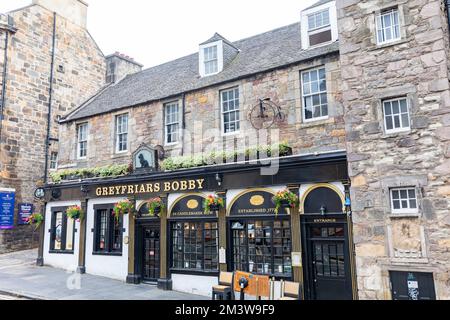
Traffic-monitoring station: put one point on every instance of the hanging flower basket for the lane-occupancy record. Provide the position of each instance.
(35, 220)
(155, 206)
(75, 213)
(285, 199)
(212, 204)
(123, 207)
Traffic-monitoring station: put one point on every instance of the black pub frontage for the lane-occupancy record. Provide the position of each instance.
(184, 248)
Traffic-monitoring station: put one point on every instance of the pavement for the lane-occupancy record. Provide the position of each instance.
(20, 278)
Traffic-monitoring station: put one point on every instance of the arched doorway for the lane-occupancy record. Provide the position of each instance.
(327, 269)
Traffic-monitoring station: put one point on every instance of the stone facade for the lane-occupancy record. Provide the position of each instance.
(79, 72)
(203, 120)
(416, 67)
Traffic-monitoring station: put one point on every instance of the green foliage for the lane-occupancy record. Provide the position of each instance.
(85, 173)
(212, 158)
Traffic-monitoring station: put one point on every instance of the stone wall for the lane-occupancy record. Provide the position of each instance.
(79, 73)
(415, 67)
(203, 120)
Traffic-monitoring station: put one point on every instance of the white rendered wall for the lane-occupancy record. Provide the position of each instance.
(198, 285)
(114, 267)
(64, 261)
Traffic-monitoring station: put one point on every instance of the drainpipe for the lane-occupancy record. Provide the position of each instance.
(50, 100)
(40, 258)
(183, 119)
(5, 68)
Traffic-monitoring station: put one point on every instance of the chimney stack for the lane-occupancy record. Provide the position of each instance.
(73, 10)
(119, 65)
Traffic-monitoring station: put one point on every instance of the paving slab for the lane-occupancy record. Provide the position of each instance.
(20, 277)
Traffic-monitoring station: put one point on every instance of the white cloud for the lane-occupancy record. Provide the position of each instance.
(154, 32)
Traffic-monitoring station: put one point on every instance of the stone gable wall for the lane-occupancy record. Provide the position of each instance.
(415, 67)
(22, 151)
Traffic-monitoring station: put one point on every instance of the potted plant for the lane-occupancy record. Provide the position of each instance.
(123, 207)
(212, 203)
(285, 199)
(75, 213)
(35, 220)
(154, 206)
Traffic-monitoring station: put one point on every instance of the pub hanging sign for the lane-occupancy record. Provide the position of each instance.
(147, 188)
(255, 203)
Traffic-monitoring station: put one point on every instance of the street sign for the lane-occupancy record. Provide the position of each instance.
(25, 211)
(7, 200)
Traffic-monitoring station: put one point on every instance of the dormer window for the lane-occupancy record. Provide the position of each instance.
(210, 60)
(319, 25)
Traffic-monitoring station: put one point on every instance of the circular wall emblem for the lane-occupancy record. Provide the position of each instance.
(257, 200)
(192, 204)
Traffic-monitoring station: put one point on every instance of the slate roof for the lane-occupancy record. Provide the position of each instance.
(318, 3)
(260, 53)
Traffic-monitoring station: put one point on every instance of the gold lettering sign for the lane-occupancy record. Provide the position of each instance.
(169, 186)
(257, 200)
(192, 204)
(324, 220)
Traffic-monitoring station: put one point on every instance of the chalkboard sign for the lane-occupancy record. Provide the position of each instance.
(25, 211)
(7, 200)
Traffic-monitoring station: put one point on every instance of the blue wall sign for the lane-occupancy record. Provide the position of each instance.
(7, 200)
(25, 211)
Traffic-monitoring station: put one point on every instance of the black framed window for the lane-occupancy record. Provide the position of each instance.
(62, 232)
(108, 232)
(262, 247)
(195, 246)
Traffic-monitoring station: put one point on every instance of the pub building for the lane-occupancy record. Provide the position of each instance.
(365, 225)
(183, 248)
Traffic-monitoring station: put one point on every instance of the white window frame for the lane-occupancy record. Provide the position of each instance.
(379, 21)
(202, 68)
(167, 124)
(401, 129)
(312, 94)
(54, 160)
(81, 139)
(306, 32)
(407, 210)
(118, 134)
(211, 60)
(222, 112)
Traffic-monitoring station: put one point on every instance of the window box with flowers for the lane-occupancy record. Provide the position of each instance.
(285, 199)
(155, 206)
(75, 213)
(123, 207)
(212, 203)
(35, 220)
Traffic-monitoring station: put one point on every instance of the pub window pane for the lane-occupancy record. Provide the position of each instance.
(108, 232)
(172, 122)
(404, 200)
(82, 137)
(122, 133)
(388, 26)
(315, 95)
(62, 231)
(262, 247)
(195, 245)
(396, 115)
(230, 110)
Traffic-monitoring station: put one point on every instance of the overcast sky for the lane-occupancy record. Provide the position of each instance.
(154, 32)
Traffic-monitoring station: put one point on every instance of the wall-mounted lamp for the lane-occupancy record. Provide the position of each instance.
(323, 210)
(219, 179)
(84, 189)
